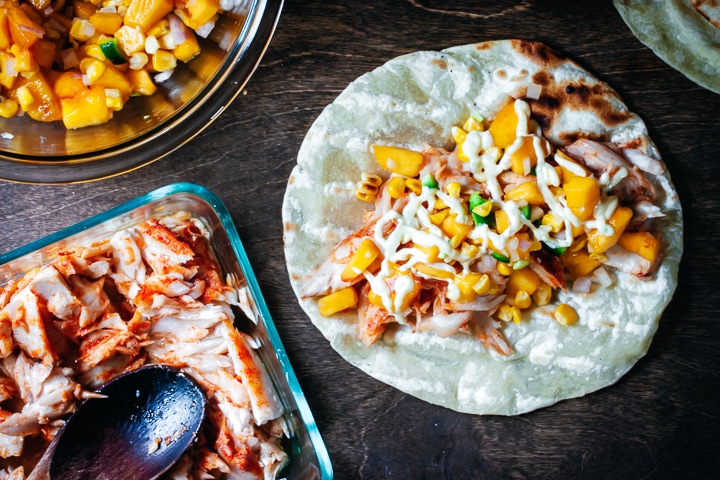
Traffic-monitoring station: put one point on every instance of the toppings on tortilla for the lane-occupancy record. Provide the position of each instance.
(464, 241)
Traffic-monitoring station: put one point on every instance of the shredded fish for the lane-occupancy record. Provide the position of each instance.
(148, 294)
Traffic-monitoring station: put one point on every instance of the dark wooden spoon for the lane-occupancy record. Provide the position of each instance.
(149, 418)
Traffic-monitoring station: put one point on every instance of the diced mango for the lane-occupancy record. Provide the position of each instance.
(466, 284)
(68, 84)
(599, 243)
(582, 194)
(45, 107)
(201, 12)
(504, 127)
(402, 283)
(145, 13)
(24, 61)
(431, 271)
(112, 77)
(567, 165)
(363, 257)
(83, 10)
(579, 263)
(188, 49)
(524, 157)
(43, 51)
(106, 22)
(502, 221)
(527, 191)
(644, 244)
(5, 39)
(399, 160)
(337, 301)
(141, 82)
(525, 280)
(23, 31)
(87, 108)
(453, 228)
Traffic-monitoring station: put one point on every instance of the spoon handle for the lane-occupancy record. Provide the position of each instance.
(42, 469)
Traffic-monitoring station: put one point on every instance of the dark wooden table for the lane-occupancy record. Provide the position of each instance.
(662, 420)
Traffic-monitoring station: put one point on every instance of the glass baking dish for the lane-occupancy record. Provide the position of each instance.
(308, 456)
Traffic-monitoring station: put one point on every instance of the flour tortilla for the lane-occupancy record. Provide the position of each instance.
(684, 33)
(416, 99)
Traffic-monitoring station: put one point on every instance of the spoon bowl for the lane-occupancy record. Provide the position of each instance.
(148, 419)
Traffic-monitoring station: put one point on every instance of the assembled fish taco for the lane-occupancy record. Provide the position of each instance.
(487, 228)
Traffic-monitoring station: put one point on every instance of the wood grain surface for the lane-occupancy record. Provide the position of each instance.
(662, 420)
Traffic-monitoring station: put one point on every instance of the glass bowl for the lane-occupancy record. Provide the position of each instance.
(308, 456)
(148, 127)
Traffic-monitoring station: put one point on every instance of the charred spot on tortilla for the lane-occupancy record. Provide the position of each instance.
(558, 97)
(441, 63)
(538, 52)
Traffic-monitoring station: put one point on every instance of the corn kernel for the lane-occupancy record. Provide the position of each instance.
(483, 209)
(163, 61)
(414, 185)
(367, 188)
(82, 30)
(440, 204)
(542, 295)
(504, 268)
(456, 240)
(113, 99)
(565, 315)
(8, 108)
(138, 60)
(555, 223)
(25, 97)
(453, 189)
(483, 285)
(95, 51)
(459, 135)
(469, 250)
(473, 123)
(396, 187)
(92, 68)
(160, 28)
(438, 217)
(509, 313)
(522, 299)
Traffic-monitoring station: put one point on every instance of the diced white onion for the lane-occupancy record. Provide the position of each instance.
(533, 91)
(582, 285)
(162, 76)
(601, 276)
(205, 29)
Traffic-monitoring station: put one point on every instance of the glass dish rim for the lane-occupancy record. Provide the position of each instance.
(219, 208)
(161, 140)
